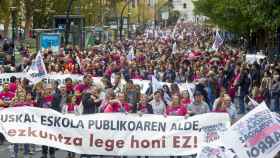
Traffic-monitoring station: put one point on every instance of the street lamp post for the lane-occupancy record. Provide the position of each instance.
(121, 25)
(67, 27)
(13, 12)
(155, 15)
(128, 22)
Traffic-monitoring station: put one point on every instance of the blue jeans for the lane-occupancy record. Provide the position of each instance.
(46, 150)
(71, 154)
(25, 148)
(274, 103)
(241, 104)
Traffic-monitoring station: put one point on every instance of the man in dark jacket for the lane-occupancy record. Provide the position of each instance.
(169, 74)
(244, 85)
(90, 102)
(55, 105)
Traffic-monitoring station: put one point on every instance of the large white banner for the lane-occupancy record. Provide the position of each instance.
(251, 58)
(112, 133)
(5, 77)
(144, 84)
(256, 135)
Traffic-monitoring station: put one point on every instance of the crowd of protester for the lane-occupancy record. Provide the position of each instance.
(216, 81)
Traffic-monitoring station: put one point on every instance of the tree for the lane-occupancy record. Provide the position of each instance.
(29, 11)
(5, 15)
(240, 15)
(245, 17)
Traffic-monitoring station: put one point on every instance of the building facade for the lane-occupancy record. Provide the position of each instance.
(185, 7)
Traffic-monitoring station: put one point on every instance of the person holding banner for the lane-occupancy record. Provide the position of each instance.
(49, 102)
(158, 104)
(199, 106)
(19, 100)
(225, 105)
(176, 108)
(144, 107)
(185, 98)
(6, 96)
(47, 96)
(87, 83)
(70, 108)
(118, 105)
(37, 93)
(29, 99)
(89, 105)
(91, 100)
(82, 88)
(55, 105)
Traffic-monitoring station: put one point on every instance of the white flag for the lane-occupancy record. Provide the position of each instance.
(37, 70)
(174, 32)
(78, 60)
(155, 84)
(218, 41)
(174, 48)
(130, 56)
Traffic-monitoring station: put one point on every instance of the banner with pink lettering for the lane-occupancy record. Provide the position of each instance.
(112, 133)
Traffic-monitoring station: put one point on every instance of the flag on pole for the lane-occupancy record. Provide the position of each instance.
(37, 70)
(155, 84)
(252, 101)
(218, 41)
(130, 56)
(174, 32)
(174, 48)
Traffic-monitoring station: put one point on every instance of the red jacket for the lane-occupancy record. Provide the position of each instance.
(176, 111)
(117, 107)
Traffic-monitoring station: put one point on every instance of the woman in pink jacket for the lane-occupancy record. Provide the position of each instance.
(175, 108)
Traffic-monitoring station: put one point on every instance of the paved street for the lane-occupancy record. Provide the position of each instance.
(4, 153)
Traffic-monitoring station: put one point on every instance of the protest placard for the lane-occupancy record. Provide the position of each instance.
(212, 151)
(50, 41)
(256, 135)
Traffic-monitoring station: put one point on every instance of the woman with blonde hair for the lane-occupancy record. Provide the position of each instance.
(226, 106)
(19, 101)
(175, 108)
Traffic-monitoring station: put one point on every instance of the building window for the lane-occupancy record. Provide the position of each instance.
(185, 5)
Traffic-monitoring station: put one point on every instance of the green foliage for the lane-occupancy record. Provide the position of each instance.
(241, 16)
(4, 9)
